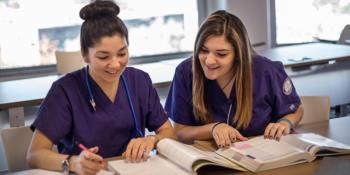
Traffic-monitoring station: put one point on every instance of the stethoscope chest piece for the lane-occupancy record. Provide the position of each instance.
(125, 85)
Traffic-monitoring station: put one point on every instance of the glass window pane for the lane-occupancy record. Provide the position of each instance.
(302, 20)
(31, 31)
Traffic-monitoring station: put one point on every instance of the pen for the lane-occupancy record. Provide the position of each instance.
(81, 146)
(84, 148)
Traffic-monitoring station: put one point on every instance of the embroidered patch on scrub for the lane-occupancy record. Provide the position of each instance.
(292, 107)
(287, 86)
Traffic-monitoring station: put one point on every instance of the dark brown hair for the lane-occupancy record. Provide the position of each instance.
(100, 20)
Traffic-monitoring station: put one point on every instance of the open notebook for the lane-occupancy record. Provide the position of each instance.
(255, 155)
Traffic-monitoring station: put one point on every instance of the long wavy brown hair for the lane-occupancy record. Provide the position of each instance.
(222, 23)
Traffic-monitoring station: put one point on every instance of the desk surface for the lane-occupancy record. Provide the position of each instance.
(308, 54)
(336, 129)
(32, 91)
(17, 93)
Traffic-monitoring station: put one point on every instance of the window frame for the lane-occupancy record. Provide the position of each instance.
(273, 27)
(16, 73)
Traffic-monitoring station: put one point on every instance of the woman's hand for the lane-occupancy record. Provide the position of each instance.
(139, 148)
(224, 135)
(88, 162)
(276, 130)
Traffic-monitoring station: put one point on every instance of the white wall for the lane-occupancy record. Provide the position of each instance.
(253, 13)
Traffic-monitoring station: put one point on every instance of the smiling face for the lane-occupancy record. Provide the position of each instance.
(107, 59)
(217, 58)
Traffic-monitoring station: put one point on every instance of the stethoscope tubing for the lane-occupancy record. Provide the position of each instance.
(125, 86)
(131, 105)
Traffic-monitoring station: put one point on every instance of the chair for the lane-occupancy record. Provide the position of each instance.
(316, 108)
(68, 61)
(16, 141)
(345, 35)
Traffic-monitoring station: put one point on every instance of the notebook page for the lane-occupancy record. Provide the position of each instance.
(156, 165)
(37, 172)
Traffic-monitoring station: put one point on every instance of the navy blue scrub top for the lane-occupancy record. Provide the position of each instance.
(66, 117)
(273, 96)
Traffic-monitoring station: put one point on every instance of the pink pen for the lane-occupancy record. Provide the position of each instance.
(82, 147)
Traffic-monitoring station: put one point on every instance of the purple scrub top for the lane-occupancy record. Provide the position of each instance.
(274, 96)
(66, 117)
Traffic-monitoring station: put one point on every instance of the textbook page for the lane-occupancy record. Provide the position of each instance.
(260, 154)
(155, 165)
(173, 158)
(316, 144)
(191, 158)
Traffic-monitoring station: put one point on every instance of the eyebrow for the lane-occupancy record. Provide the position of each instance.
(121, 49)
(223, 50)
(219, 50)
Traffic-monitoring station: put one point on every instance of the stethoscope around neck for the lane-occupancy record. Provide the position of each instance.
(137, 132)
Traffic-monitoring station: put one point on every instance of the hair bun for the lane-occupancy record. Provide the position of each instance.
(99, 9)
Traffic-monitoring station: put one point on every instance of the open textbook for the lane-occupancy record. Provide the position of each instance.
(260, 154)
(255, 155)
(173, 158)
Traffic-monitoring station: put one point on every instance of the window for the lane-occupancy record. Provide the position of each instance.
(32, 31)
(299, 21)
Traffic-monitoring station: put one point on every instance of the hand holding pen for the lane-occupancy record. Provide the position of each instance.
(88, 161)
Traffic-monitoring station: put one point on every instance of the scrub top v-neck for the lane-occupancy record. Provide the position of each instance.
(66, 116)
(273, 96)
